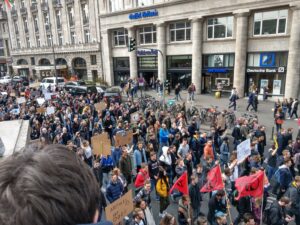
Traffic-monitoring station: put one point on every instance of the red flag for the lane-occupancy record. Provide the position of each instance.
(252, 185)
(181, 184)
(214, 180)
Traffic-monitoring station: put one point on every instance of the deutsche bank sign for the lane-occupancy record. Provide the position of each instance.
(145, 14)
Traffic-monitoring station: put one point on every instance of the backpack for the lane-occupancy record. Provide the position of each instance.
(266, 212)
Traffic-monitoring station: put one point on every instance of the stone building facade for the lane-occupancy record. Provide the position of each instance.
(5, 60)
(235, 43)
(64, 31)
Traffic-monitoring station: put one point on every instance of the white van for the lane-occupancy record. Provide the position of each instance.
(51, 81)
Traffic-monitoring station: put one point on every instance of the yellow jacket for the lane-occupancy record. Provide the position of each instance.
(162, 187)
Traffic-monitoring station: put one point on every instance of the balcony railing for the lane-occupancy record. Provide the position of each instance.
(33, 7)
(23, 11)
(69, 1)
(44, 6)
(3, 15)
(56, 4)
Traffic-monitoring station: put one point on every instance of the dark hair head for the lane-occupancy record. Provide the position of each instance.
(48, 186)
(166, 220)
(248, 217)
(201, 220)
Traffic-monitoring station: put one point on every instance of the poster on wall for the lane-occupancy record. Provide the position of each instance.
(218, 60)
(263, 83)
(276, 87)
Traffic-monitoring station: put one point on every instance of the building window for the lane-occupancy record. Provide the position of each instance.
(147, 35)
(27, 42)
(180, 61)
(255, 59)
(46, 21)
(35, 22)
(38, 41)
(87, 36)
(32, 60)
(144, 2)
(224, 60)
(270, 23)
(3, 27)
(16, 27)
(147, 62)
(25, 22)
(180, 31)
(220, 27)
(85, 13)
(58, 19)
(93, 59)
(120, 37)
(60, 39)
(7, 48)
(121, 63)
(22, 3)
(115, 5)
(1, 48)
(71, 16)
(49, 42)
(73, 37)
(18, 43)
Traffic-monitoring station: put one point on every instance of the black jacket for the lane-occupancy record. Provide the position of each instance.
(276, 215)
(195, 195)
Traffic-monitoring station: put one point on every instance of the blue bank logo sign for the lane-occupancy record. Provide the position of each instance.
(141, 15)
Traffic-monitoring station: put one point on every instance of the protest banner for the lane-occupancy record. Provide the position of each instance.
(101, 144)
(134, 117)
(41, 110)
(50, 110)
(116, 211)
(243, 150)
(123, 138)
(40, 101)
(100, 106)
(21, 100)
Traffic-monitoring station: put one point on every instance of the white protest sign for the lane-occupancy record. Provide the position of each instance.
(50, 110)
(21, 100)
(40, 101)
(47, 96)
(243, 150)
(3, 93)
(15, 111)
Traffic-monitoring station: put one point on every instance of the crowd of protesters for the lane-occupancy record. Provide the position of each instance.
(163, 148)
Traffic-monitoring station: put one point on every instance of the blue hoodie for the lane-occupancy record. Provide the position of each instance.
(163, 135)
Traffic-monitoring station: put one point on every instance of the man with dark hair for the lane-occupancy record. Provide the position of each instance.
(51, 186)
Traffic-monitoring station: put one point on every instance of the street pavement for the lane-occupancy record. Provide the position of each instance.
(265, 117)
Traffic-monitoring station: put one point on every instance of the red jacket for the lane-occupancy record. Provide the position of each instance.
(141, 177)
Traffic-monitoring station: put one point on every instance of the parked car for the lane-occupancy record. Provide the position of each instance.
(101, 89)
(20, 79)
(112, 94)
(83, 90)
(5, 80)
(51, 81)
(72, 84)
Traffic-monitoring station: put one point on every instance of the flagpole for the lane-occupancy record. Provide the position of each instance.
(227, 200)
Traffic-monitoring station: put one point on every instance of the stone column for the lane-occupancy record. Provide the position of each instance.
(132, 55)
(65, 23)
(42, 31)
(107, 56)
(241, 46)
(161, 45)
(293, 68)
(197, 53)
(78, 22)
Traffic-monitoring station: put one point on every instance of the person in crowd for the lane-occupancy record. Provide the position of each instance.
(153, 169)
(191, 91)
(88, 154)
(115, 189)
(233, 98)
(149, 219)
(51, 171)
(144, 194)
(216, 204)
(201, 221)
(163, 137)
(162, 188)
(208, 150)
(294, 109)
(184, 211)
(168, 219)
(224, 152)
(183, 148)
(196, 198)
(106, 164)
(251, 101)
(125, 165)
(138, 217)
(279, 119)
(139, 156)
(141, 177)
(277, 215)
(248, 219)
(293, 193)
(177, 92)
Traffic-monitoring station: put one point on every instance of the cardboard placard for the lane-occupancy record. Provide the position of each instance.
(134, 117)
(101, 144)
(41, 110)
(116, 211)
(124, 138)
(22, 93)
(100, 106)
(21, 100)
(40, 101)
(50, 110)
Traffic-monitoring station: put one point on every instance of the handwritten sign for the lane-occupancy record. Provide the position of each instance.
(50, 110)
(41, 110)
(101, 144)
(21, 100)
(40, 101)
(116, 211)
(100, 106)
(124, 138)
(243, 150)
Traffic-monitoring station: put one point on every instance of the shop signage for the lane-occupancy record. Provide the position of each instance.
(147, 52)
(223, 81)
(266, 70)
(217, 70)
(267, 59)
(145, 14)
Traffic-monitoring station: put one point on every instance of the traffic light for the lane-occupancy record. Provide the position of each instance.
(132, 44)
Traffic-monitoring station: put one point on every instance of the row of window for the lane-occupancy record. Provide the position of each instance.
(265, 23)
(209, 61)
(71, 19)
